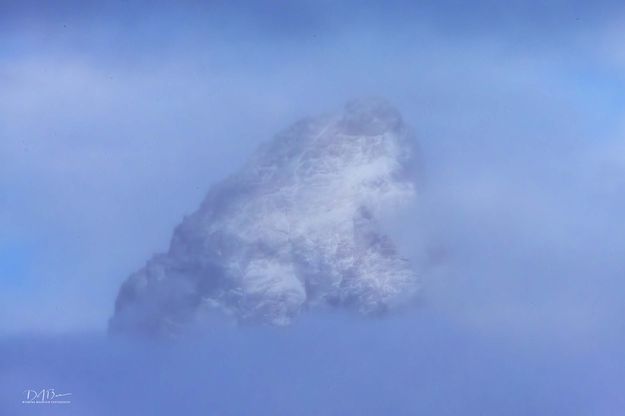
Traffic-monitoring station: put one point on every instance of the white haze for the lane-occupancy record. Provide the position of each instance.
(111, 132)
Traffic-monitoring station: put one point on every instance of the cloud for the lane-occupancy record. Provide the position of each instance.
(327, 364)
(116, 119)
(520, 198)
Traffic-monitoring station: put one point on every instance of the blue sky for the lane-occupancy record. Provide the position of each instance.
(116, 118)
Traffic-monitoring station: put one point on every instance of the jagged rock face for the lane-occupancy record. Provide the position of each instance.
(295, 228)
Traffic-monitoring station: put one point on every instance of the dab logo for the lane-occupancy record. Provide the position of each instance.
(46, 396)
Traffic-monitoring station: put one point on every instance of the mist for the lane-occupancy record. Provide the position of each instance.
(115, 120)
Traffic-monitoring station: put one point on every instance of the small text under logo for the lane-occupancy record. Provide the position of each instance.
(46, 396)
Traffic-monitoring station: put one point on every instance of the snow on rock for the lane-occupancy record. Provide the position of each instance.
(295, 228)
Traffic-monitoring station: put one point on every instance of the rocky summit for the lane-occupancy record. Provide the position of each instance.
(296, 228)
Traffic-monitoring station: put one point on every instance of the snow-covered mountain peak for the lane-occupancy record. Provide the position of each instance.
(295, 228)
